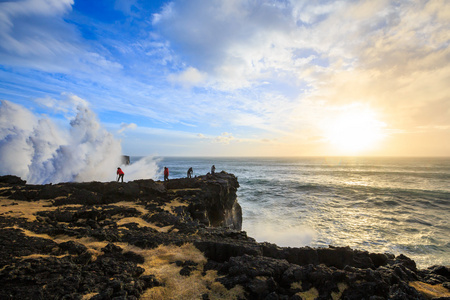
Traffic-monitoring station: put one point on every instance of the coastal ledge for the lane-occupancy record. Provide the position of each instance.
(181, 239)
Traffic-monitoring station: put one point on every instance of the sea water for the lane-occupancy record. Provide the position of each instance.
(394, 205)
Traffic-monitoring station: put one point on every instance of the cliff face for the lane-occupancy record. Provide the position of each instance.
(180, 239)
(212, 199)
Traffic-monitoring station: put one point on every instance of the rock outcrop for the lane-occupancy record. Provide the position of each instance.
(181, 239)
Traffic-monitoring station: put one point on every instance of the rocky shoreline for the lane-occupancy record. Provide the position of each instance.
(182, 239)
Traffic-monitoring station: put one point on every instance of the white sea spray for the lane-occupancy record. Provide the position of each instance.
(36, 149)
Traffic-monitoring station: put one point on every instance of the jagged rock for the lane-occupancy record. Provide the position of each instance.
(202, 211)
(73, 247)
(14, 243)
(187, 267)
(10, 179)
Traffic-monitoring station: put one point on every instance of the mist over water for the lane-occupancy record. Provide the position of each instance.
(395, 205)
(40, 151)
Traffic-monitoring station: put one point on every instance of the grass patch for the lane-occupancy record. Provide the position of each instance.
(33, 256)
(142, 223)
(296, 285)
(337, 295)
(430, 291)
(161, 263)
(311, 294)
(88, 296)
(93, 246)
(138, 207)
(23, 209)
(27, 210)
(170, 206)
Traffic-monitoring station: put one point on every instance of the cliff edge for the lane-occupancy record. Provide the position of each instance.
(181, 239)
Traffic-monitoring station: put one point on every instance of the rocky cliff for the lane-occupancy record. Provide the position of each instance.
(176, 240)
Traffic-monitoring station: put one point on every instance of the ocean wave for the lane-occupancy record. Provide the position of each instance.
(377, 205)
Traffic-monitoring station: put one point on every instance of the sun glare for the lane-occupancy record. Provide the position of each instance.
(354, 131)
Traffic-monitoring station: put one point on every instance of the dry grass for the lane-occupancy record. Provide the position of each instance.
(87, 241)
(139, 221)
(142, 223)
(161, 263)
(430, 291)
(296, 285)
(311, 294)
(337, 295)
(169, 207)
(88, 296)
(32, 256)
(166, 255)
(173, 204)
(23, 209)
(93, 246)
(31, 233)
(138, 207)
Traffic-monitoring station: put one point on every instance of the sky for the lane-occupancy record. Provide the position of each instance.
(234, 77)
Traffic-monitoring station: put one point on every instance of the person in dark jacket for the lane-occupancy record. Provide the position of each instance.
(120, 173)
(189, 172)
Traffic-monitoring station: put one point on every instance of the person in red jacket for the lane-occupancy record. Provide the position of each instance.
(166, 174)
(120, 173)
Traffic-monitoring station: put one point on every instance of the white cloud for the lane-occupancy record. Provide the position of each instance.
(265, 69)
(35, 35)
(124, 126)
(224, 138)
(392, 56)
(229, 39)
(34, 28)
(189, 77)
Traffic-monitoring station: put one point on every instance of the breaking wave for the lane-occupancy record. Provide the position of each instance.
(41, 151)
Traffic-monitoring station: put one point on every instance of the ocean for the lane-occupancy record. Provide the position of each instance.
(394, 205)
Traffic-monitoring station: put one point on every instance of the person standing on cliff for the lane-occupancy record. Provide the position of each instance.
(120, 173)
(189, 172)
(166, 174)
(213, 170)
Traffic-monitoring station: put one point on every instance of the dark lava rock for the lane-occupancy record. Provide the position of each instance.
(10, 180)
(187, 267)
(73, 247)
(202, 211)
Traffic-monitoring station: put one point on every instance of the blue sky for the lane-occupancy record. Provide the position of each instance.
(238, 78)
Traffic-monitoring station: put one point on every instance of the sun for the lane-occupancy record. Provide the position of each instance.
(354, 130)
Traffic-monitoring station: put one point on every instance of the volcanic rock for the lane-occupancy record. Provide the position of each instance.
(106, 240)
